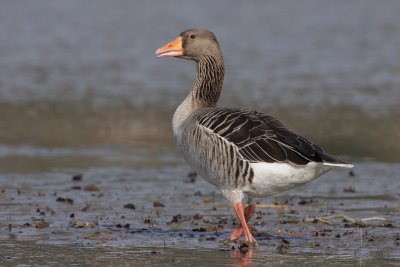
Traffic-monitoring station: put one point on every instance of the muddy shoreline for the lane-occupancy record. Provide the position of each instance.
(159, 214)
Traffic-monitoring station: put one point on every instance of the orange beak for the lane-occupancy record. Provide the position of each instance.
(172, 49)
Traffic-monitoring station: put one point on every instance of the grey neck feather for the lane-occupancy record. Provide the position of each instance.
(209, 79)
(206, 89)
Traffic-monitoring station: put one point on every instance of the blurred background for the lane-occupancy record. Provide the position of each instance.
(80, 85)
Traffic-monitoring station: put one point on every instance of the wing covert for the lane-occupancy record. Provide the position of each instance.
(260, 137)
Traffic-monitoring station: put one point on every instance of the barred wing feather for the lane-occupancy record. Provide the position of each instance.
(262, 138)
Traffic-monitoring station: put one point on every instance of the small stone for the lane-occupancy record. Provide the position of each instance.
(176, 218)
(284, 246)
(77, 177)
(303, 202)
(192, 177)
(244, 248)
(198, 194)
(158, 204)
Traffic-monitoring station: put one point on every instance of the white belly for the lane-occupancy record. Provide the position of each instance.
(272, 178)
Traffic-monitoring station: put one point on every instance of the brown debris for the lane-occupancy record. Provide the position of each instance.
(42, 224)
(323, 232)
(129, 206)
(397, 239)
(284, 246)
(348, 232)
(158, 204)
(77, 177)
(86, 208)
(98, 236)
(197, 216)
(65, 199)
(149, 221)
(208, 228)
(304, 202)
(91, 188)
(192, 177)
(198, 193)
(349, 190)
(176, 218)
(289, 221)
(79, 224)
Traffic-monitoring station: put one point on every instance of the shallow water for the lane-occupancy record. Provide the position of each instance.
(82, 93)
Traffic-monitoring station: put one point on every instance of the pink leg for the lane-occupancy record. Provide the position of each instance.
(248, 213)
(243, 222)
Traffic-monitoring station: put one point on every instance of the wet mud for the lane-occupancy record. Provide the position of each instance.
(163, 215)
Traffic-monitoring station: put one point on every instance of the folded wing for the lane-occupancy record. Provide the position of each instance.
(262, 138)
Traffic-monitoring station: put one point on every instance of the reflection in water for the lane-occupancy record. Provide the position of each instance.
(243, 257)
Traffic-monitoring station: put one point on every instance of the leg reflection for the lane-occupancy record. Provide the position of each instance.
(243, 256)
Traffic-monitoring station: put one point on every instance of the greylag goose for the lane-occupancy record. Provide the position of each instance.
(241, 151)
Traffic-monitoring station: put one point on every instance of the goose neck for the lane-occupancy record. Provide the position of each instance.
(209, 79)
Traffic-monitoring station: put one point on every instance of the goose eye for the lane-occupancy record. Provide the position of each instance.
(192, 36)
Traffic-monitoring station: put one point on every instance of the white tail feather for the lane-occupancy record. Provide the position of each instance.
(339, 165)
